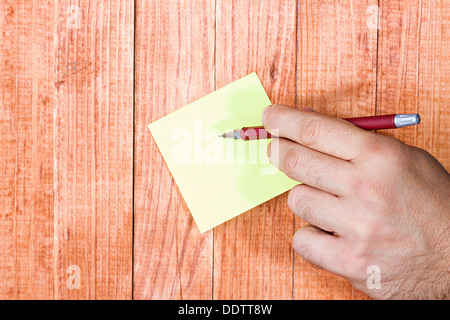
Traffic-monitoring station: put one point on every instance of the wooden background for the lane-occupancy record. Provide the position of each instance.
(89, 210)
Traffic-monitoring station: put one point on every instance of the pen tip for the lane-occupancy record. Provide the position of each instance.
(227, 135)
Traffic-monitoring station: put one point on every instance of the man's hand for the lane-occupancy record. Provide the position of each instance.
(372, 204)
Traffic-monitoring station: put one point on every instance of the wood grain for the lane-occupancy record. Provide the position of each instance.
(94, 150)
(336, 75)
(175, 55)
(80, 81)
(253, 252)
(26, 155)
(414, 71)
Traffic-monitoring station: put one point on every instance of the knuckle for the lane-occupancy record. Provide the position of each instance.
(361, 186)
(292, 162)
(374, 145)
(302, 205)
(307, 211)
(392, 152)
(306, 207)
(378, 186)
(355, 263)
(310, 131)
(366, 233)
(401, 157)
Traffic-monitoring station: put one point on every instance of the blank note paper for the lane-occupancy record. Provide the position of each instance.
(220, 178)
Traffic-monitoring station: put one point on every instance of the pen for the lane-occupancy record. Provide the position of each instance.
(391, 121)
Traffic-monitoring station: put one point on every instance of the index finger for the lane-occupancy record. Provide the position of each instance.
(336, 137)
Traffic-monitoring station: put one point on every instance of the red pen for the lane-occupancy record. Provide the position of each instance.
(392, 121)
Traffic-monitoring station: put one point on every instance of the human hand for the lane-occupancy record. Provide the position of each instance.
(372, 203)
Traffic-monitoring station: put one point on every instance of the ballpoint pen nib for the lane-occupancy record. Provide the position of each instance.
(226, 135)
(232, 134)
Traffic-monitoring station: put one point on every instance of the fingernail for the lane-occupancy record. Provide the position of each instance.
(308, 109)
(264, 115)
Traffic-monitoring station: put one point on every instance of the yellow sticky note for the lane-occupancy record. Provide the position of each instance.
(220, 178)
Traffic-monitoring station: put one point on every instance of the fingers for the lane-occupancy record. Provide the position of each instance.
(309, 166)
(318, 208)
(320, 248)
(332, 136)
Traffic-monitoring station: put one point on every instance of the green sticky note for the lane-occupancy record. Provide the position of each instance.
(220, 178)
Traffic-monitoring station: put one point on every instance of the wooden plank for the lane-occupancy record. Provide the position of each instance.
(253, 252)
(336, 75)
(94, 150)
(66, 134)
(414, 71)
(26, 155)
(174, 66)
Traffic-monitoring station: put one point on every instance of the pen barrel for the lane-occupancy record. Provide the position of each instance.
(254, 133)
(374, 123)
